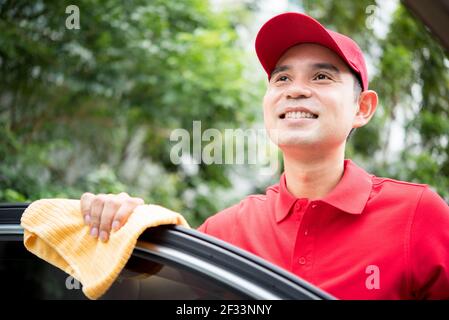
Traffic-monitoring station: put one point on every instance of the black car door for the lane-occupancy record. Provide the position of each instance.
(168, 262)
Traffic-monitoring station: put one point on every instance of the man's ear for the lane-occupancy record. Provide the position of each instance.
(367, 104)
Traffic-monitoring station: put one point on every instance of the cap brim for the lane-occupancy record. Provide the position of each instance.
(289, 29)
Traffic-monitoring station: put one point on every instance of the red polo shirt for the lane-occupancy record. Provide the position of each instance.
(369, 238)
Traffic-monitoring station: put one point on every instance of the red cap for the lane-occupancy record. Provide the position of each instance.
(288, 29)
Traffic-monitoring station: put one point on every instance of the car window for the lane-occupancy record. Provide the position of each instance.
(159, 280)
(24, 275)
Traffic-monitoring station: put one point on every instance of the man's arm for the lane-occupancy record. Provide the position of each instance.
(429, 248)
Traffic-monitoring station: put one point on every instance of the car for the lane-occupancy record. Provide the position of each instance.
(168, 263)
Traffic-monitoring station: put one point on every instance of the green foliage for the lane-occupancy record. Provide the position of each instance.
(92, 109)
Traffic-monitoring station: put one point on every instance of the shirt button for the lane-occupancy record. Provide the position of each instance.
(306, 232)
(314, 206)
(302, 260)
(298, 206)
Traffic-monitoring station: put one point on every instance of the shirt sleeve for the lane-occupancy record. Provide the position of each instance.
(429, 247)
(203, 228)
(221, 224)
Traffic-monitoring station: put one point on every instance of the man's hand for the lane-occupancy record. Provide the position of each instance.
(105, 211)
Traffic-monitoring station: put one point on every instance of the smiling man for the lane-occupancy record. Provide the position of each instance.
(349, 232)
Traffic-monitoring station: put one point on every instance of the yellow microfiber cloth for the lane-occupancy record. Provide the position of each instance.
(55, 231)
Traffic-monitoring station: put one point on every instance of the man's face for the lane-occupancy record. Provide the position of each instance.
(310, 77)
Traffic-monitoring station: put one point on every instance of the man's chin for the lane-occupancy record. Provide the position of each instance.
(292, 143)
(290, 139)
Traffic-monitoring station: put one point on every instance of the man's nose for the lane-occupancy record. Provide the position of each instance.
(298, 90)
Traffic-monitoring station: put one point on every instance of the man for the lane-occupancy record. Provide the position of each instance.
(352, 234)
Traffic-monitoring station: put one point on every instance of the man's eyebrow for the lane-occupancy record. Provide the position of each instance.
(315, 66)
(326, 66)
(280, 69)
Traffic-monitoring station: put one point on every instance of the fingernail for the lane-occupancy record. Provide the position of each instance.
(94, 232)
(103, 236)
(115, 225)
(87, 219)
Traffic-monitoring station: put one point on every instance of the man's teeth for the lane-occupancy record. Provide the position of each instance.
(298, 115)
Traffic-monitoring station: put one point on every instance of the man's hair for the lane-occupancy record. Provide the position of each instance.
(357, 92)
(357, 85)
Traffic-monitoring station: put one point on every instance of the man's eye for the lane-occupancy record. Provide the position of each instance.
(321, 76)
(282, 78)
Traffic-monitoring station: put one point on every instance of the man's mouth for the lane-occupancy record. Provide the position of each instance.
(298, 115)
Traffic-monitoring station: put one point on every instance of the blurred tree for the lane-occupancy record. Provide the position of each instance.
(92, 109)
